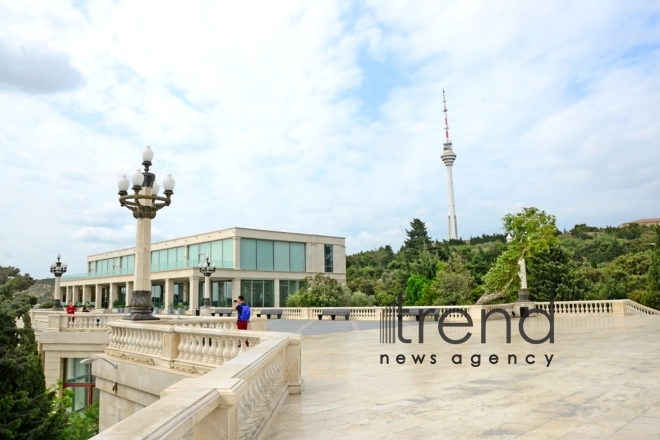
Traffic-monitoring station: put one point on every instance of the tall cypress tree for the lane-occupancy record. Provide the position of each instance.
(27, 409)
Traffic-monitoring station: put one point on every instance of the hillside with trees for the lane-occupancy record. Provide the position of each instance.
(584, 263)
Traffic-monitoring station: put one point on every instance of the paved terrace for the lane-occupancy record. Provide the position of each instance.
(603, 382)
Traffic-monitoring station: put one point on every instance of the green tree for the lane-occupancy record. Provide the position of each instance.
(651, 298)
(533, 231)
(320, 291)
(547, 270)
(27, 409)
(452, 285)
(418, 239)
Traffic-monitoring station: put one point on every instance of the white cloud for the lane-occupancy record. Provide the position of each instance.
(256, 109)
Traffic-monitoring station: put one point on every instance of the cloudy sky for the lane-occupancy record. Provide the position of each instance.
(322, 117)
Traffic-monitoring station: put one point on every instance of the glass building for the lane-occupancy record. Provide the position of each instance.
(263, 266)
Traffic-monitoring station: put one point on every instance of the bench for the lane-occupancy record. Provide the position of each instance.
(268, 312)
(334, 312)
(222, 312)
(416, 313)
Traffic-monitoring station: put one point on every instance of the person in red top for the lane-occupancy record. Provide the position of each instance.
(70, 310)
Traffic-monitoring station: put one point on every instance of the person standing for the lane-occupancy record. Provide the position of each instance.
(244, 313)
(70, 310)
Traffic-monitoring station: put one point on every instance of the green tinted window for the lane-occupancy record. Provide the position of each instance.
(248, 254)
(297, 257)
(228, 253)
(264, 255)
(282, 256)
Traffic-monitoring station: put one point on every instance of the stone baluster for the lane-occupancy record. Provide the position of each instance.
(199, 348)
(234, 348)
(182, 344)
(205, 350)
(219, 348)
(187, 346)
(226, 352)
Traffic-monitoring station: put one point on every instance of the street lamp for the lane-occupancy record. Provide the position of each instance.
(58, 268)
(207, 270)
(143, 203)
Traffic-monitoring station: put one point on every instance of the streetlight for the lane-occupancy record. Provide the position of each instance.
(207, 269)
(144, 204)
(58, 268)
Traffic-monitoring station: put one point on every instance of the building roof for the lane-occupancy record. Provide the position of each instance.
(644, 221)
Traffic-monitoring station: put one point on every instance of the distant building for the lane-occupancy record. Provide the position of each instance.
(644, 221)
(264, 266)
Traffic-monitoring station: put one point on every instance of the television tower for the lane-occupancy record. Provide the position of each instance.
(448, 157)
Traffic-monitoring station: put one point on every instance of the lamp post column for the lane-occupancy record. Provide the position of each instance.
(58, 269)
(207, 269)
(144, 204)
(141, 298)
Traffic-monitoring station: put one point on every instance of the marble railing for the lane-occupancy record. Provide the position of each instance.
(604, 307)
(237, 398)
(195, 347)
(81, 321)
(220, 322)
(634, 308)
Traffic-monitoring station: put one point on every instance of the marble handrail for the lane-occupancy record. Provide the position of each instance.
(186, 347)
(597, 307)
(248, 388)
(81, 321)
(638, 309)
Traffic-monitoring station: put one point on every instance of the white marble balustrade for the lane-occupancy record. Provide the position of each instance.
(248, 388)
(638, 309)
(579, 307)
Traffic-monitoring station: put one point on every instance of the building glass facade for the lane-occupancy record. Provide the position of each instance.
(258, 293)
(271, 255)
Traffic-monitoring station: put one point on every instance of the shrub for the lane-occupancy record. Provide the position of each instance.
(359, 299)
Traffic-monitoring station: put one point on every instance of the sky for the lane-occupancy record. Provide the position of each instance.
(321, 117)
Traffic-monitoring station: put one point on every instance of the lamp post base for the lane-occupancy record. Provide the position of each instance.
(57, 304)
(141, 307)
(523, 295)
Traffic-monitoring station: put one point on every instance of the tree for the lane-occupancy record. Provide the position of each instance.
(27, 409)
(547, 270)
(418, 238)
(533, 231)
(651, 298)
(452, 285)
(320, 291)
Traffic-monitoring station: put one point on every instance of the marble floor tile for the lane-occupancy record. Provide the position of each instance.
(603, 382)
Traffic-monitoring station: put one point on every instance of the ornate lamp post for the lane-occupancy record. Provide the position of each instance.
(58, 268)
(207, 270)
(143, 203)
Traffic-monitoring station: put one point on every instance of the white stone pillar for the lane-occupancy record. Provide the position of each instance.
(113, 294)
(87, 294)
(277, 293)
(194, 294)
(129, 293)
(169, 293)
(95, 298)
(141, 298)
(235, 288)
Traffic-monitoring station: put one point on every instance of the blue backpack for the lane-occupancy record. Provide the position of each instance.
(245, 313)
